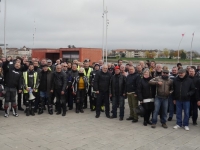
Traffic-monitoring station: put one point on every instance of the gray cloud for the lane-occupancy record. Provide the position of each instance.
(139, 24)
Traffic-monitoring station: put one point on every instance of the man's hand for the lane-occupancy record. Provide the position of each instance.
(28, 89)
(174, 102)
(51, 91)
(135, 95)
(97, 92)
(159, 83)
(110, 95)
(19, 91)
(62, 92)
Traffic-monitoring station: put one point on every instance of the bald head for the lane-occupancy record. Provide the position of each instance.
(58, 68)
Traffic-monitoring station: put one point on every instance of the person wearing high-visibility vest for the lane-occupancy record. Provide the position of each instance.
(87, 72)
(30, 86)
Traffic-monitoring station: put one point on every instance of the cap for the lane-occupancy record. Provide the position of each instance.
(181, 71)
(49, 61)
(165, 71)
(44, 65)
(117, 67)
(96, 64)
(179, 64)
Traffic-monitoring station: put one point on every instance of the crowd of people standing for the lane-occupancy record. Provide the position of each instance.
(155, 88)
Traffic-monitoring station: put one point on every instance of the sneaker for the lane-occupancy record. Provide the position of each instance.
(6, 115)
(15, 114)
(153, 125)
(164, 126)
(176, 127)
(170, 119)
(187, 128)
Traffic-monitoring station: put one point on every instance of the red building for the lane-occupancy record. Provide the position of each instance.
(68, 54)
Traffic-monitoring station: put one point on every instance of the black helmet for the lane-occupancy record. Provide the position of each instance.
(139, 110)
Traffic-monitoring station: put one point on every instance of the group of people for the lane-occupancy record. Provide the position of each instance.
(149, 85)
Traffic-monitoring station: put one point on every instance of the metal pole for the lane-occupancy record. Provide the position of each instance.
(103, 32)
(5, 30)
(191, 50)
(106, 35)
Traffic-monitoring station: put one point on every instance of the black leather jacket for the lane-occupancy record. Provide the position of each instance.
(132, 82)
(102, 81)
(122, 85)
(183, 89)
(59, 81)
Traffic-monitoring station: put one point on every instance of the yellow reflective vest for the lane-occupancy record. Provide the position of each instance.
(25, 75)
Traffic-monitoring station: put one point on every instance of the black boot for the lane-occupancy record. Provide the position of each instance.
(40, 111)
(6, 111)
(41, 103)
(58, 108)
(50, 109)
(27, 111)
(32, 112)
(64, 109)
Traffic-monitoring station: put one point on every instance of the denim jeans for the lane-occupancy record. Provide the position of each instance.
(171, 106)
(182, 105)
(44, 94)
(160, 103)
(119, 99)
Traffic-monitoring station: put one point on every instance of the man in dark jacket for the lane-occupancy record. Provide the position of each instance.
(164, 87)
(101, 86)
(117, 92)
(59, 83)
(91, 82)
(13, 81)
(193, 104)
(183, 90)
(71, 76)
(131, 86)
(45, 78)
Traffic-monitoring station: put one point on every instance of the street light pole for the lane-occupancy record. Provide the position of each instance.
(106, 12)
(5, 30)
(103, 32)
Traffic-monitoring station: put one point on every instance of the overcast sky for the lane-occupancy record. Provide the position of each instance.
(137, 24)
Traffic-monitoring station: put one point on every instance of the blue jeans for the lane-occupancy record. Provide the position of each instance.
(171, 106)
(44, 94)
(119, 99)
(182, 105)
(160, 103)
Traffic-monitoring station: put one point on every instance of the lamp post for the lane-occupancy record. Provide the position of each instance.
(107, 22)
(5, 30)
(103, 32)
